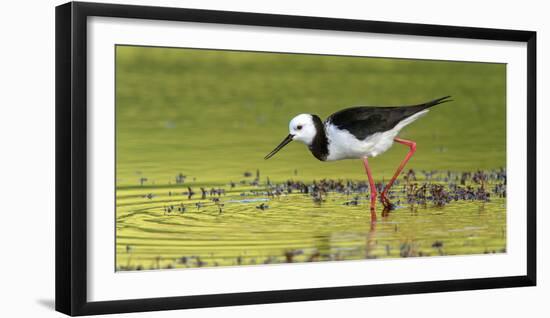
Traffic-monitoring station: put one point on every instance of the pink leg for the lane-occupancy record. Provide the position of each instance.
(372, 186)
(412, 147)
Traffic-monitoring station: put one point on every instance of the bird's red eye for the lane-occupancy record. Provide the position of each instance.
(299, 127)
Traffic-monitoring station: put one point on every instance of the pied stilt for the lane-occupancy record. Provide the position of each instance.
(358, 133)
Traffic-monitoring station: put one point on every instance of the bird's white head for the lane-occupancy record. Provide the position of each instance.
(302, 128)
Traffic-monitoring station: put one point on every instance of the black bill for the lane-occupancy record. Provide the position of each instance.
(280, 146)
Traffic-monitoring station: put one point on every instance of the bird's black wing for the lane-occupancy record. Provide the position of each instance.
(363, 121)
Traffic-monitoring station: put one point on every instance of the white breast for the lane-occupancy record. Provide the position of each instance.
(344, 145)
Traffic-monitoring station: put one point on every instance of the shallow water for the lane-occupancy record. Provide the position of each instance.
(293, 228)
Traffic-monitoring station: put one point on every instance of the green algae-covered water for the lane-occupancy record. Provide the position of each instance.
(191, 119)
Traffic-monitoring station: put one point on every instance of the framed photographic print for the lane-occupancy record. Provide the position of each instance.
(209, 158)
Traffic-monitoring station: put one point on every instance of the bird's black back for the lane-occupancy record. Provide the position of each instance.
(363, 121)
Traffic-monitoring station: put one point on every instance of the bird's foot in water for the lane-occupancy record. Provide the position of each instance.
(386, 202)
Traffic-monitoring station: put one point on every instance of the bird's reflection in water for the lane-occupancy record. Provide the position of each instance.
(371, 235)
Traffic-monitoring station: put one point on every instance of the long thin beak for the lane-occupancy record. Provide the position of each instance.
(280, 146)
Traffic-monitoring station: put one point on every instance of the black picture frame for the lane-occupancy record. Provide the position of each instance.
(71, 157)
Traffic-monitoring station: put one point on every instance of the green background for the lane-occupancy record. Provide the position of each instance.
(213, 114)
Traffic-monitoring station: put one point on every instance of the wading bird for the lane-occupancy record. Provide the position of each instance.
(358, 133)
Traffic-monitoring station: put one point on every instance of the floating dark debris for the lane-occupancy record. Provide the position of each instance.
(189, 193)
(289, 255)
(142, 181)
(436, 188)
(199, 205)
(182, 208)
(180, 178)
(262, 206)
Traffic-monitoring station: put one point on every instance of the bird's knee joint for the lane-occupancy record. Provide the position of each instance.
(413, 146)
